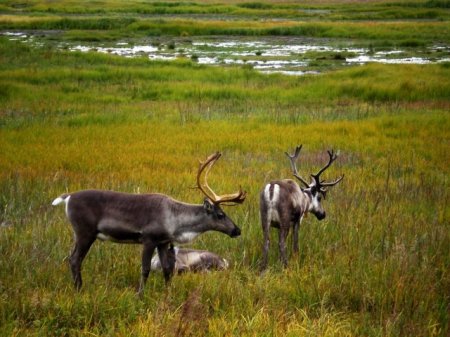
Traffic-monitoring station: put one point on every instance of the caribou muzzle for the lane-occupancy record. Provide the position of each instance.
(320, 216)
(235, 232)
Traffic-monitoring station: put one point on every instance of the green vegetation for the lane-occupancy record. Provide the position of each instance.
(396, 21)
(376, 266)
(334, 10)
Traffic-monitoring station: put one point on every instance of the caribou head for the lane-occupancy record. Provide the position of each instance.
(317, 188)
(218, 220)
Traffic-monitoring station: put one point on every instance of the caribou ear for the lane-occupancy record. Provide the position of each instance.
(208, 205)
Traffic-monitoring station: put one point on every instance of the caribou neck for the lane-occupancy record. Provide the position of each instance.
(190, 219)
(309, 199)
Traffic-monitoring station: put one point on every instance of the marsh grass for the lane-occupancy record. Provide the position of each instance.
(309, 10)
(376, 266)
(402, 33)
(403, 23)
(78, 89)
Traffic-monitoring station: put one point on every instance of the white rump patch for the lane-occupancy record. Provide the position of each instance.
(272, 212)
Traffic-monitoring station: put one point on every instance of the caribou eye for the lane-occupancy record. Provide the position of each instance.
(220, 215)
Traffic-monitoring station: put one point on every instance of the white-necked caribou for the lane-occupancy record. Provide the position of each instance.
(153, 220)
(283, 204)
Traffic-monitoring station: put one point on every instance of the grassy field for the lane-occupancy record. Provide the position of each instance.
(376, 266)
(400, 22)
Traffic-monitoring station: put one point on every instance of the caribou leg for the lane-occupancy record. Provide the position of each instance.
(295, 235)
(282, 235)
(147, 253)
(167, 257)
(80, 249)
(266, 243)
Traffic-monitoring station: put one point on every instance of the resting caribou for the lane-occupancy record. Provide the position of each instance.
(283, 204)
(187, 259)
(153, 220)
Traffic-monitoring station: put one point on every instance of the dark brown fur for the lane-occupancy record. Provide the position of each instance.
(153, 220)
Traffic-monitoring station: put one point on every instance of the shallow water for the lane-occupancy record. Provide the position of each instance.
(292, 56)
(407, 60)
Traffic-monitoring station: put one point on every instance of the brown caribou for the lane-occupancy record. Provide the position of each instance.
(283, 204)
(153, 220)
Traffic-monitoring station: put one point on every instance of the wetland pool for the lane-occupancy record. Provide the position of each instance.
(288, 55)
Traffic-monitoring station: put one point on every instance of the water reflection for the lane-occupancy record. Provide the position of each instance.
(291, 56)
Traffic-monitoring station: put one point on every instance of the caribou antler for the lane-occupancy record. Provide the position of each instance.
(323, 184)
(235, 198)
(293, 159)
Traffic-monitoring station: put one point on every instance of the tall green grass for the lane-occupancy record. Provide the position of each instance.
(376, 266)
